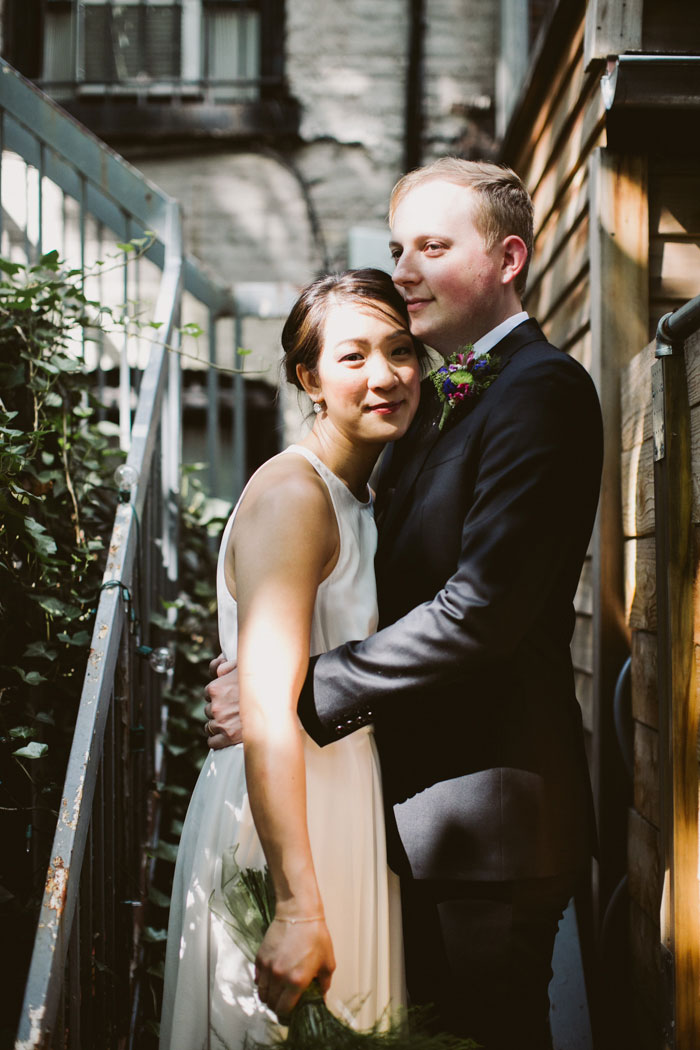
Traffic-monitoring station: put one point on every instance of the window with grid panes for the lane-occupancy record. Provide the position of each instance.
(153, 47)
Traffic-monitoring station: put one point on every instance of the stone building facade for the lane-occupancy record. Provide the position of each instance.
(289, 174)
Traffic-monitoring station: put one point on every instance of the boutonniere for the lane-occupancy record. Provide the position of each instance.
(464, 376)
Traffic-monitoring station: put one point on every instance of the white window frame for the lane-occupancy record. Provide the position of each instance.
(191, 80)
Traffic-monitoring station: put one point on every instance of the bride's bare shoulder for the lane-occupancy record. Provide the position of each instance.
(286, 485)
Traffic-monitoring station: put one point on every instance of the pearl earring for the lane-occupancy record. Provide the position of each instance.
(317, 407)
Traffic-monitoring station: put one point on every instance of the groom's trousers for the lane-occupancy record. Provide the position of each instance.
(480, 953)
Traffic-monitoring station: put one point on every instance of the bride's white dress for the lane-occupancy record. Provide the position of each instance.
(209, 1000)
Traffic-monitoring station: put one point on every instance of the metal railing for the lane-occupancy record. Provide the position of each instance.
(80, 988)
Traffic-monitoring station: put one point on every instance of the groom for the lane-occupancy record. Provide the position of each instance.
(484, 525)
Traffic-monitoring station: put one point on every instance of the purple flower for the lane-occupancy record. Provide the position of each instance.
(480, 373)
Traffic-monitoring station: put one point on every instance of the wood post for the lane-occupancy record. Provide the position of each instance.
(678, 700)
(611, 29)
(619, 248)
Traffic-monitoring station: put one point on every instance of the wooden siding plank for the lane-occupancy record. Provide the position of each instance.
(695, 453)
(644, 685)
(643, 864)
(586, 132)
(579, 346)
(638, 490)
(566, 268)
(583, 600)
(640, 583)
(570, 316)
(646, 773)
(543, 117)
(562, 224)
(647, 979)
(636, 422)
(584, 695)
(582, 644)
(692, 369)
(566, 101)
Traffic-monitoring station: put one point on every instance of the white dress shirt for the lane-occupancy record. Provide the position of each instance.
(488, 341)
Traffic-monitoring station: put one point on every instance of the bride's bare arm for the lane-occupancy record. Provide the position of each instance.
(283, 542)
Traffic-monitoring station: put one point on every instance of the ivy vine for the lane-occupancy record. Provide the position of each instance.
(58, 453)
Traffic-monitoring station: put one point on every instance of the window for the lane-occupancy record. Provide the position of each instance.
(153, 47)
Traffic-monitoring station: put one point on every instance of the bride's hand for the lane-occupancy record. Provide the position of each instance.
(223, 726)
(290, 957)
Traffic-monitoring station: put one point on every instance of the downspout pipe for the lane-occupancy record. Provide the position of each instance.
(674, 328)
(413, 132)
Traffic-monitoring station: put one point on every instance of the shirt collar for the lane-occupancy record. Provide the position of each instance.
(488, 341)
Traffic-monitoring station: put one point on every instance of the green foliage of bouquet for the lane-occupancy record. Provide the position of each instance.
(246, 908)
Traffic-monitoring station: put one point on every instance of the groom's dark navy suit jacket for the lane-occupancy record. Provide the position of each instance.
(469, 682)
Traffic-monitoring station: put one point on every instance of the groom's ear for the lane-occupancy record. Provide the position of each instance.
(514, 257)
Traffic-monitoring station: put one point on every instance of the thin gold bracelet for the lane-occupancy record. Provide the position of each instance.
(293, 922)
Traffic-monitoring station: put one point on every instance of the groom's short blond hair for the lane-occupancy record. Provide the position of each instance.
(504, 206)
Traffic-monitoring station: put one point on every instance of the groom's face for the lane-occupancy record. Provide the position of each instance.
(450, 280)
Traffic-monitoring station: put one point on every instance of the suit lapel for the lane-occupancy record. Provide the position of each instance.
(415, 448)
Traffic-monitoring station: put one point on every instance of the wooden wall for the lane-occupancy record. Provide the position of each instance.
(617, 245)
(552, 162)
(646, 863)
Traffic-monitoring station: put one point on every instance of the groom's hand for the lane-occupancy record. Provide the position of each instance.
(223, 726)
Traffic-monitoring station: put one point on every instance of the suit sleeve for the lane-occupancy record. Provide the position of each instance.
(539, 471)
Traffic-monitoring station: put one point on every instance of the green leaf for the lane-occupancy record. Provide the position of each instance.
(176, 790)
(82, 638)
(125, 247)
(165, 851)
(157, 897)
(21, 732)
(107, 428)
(8, 267)
(30, 677)
(38, 649)
(33, 750)
(153, 936)
(176, 749)
(43, 543)
(55, 607)
(243, 353)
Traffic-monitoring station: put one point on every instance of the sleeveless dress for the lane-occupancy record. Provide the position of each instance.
(209, 999)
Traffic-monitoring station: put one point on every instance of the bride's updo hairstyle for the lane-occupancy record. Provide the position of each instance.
(302, 335)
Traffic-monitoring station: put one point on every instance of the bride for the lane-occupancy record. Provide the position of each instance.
(295, 578)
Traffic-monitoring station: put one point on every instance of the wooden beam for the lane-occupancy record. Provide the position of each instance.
(678, 699)
(611, 29)
(618, 309)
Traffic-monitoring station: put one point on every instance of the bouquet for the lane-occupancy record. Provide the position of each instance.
(246, 908)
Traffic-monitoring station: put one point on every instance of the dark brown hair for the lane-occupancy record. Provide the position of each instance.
(302, 335)
(504, 206)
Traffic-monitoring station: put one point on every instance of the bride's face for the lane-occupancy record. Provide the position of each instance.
(368, 375)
